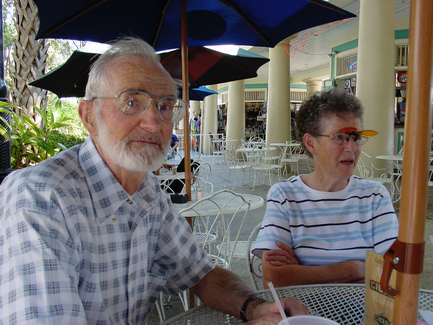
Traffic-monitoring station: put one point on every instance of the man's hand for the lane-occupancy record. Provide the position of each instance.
(281, 257)
(270, 319)
(268, 313)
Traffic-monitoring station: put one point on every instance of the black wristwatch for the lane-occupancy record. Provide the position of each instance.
(243, 311)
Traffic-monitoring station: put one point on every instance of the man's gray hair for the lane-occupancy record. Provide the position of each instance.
(97, 82)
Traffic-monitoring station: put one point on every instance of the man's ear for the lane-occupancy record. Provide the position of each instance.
(310, 143)
(86, 113)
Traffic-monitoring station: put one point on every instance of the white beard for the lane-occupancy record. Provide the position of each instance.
(145, 159)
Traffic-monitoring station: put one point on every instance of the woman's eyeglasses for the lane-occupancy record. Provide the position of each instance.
(343, 136)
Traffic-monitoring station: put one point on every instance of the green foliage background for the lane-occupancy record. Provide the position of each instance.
(32, 143)
(60, 127)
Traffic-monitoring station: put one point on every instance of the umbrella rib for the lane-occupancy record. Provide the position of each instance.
(230, 5)
(168, 57)
(328, 5)
(79, 13)
(164, 11)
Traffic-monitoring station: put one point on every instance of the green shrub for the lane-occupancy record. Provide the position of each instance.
(31, 143)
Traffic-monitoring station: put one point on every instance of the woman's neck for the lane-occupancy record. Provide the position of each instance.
(322, 183)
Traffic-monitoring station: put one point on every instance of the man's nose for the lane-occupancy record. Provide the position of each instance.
(150, 119)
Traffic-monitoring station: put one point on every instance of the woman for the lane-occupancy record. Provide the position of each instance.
(318, 227)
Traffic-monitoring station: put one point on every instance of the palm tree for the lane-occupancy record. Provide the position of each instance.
(29, 60)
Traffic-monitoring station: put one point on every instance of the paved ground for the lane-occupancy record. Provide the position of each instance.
(219, 176)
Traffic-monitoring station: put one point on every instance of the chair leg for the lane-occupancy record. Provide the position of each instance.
(236, 176)
(160, 308)
(230, 174)
(254, 181)
(184, 299)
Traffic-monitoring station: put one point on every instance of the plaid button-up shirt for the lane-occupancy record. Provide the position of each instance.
(76, 248)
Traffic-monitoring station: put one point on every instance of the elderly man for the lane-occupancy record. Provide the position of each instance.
(88, 236)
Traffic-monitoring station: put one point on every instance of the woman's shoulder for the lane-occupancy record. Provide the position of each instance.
(363, 184)
(290, 187)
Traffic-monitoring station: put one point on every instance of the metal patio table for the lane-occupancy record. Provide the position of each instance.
(343, 303)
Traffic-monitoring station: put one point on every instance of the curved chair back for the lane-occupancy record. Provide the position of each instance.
(221, 215)
(254, 263)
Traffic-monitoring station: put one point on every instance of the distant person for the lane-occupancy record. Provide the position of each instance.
(88, 236)
(401, 110)
(318, 226)
(174, 144)
(198, 124)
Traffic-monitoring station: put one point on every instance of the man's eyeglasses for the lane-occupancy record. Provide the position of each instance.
(133, 103)
(343, 135)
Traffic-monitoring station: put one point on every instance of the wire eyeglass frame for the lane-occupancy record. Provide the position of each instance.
(133, 103)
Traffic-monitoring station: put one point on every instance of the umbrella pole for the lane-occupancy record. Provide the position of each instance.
(410, 248)
(186, 142)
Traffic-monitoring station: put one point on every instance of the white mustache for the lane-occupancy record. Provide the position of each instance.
(146, 137)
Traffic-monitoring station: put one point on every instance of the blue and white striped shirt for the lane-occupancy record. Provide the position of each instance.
(328, 227)
(77, 249)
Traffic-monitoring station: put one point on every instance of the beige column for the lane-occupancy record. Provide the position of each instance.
(313, 85)
(209, 119)
(278, 106)
(236, 113)
(375, 84)
(194, 106)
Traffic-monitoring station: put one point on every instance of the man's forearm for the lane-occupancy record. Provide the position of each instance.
(222, 290)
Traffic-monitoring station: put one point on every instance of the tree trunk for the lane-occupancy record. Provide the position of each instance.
(30, 59)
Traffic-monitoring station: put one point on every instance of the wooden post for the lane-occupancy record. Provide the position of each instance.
(416, 156)
(185, 94)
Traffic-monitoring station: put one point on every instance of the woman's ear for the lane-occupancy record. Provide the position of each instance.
(85, 111)
(310, 143)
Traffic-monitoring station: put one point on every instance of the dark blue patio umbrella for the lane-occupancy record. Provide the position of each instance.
(206, 67)
(209, 22)
(168, 24)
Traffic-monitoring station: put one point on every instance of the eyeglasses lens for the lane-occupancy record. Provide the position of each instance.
(342, 138)
(171, 109)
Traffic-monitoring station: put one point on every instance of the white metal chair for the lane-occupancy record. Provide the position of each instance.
(217, 148)
(304, 159)
(174, 184)
(254, 263)
(290, 157)
(368, 171)
(263, 169)
(255, 139)
(201, 178)
(225, 216)
(235, 165)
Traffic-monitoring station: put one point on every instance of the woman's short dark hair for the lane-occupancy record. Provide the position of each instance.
(321, 105)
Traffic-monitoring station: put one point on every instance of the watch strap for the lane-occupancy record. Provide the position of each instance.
(243, 311)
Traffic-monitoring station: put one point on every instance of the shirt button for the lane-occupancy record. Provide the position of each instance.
(114, 220)
(132, 276)
(131, 318)
(129, 201)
